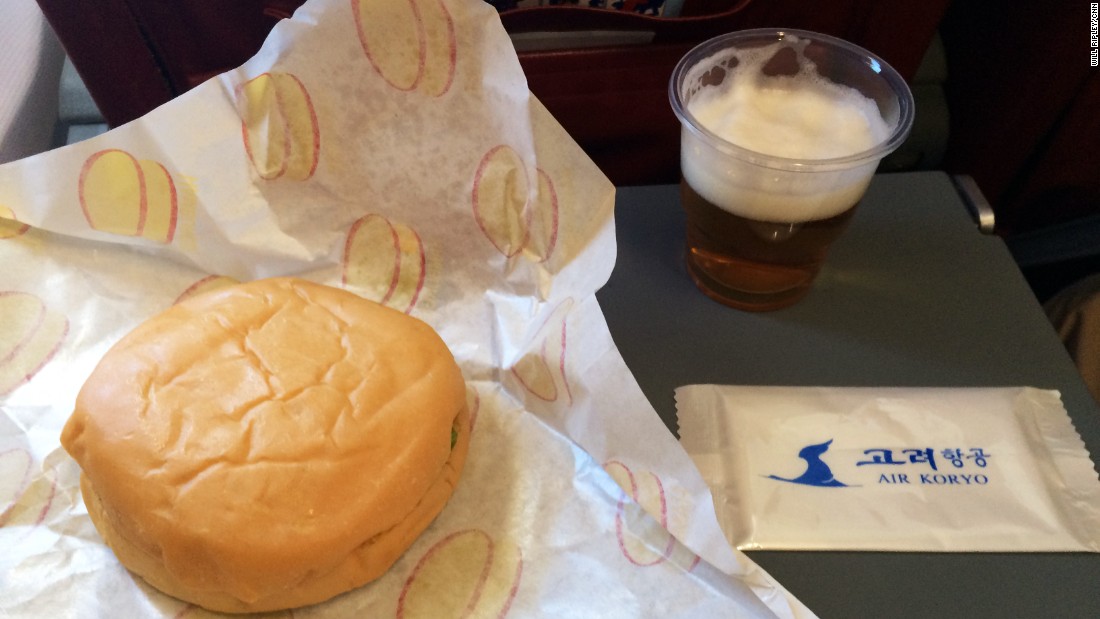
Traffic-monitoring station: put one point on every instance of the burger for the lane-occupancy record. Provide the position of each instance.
(269, 445)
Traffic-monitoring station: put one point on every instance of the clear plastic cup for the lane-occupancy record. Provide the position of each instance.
(781, 133)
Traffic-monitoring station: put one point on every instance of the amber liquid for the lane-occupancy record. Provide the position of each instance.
(754, 265)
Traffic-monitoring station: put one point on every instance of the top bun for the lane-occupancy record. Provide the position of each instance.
(269, 445)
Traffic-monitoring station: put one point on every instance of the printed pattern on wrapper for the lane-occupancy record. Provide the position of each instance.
(279, 127)
(646, 489)
(385, 260)
(31, 336)
(410, 43)
(122, 194)
(542, 370)
(16, 466)
(29, 494)
(466, 575)
(505, 211)
(10, 226)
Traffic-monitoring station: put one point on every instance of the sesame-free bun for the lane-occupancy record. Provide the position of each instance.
(269, 445)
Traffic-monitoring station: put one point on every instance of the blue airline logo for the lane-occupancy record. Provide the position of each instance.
(817, 472)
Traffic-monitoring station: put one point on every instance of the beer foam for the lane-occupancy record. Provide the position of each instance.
(798, 115)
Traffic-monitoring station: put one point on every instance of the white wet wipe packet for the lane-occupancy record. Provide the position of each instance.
(892, 469)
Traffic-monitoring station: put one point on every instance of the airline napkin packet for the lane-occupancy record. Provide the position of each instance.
(922, 469)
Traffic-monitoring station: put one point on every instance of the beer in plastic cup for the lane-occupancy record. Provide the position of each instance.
(781, 132)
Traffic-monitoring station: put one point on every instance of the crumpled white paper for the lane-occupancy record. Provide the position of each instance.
(997, 469)
(393, 149)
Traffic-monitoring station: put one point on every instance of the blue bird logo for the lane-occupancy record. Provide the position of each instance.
(817, 472)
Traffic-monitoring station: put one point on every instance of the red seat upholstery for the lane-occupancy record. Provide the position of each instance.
(136, 54)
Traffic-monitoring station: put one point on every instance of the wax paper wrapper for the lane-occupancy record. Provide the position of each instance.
(392, 149)
(893, 469)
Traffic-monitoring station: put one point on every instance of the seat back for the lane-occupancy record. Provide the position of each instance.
(134, 55)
